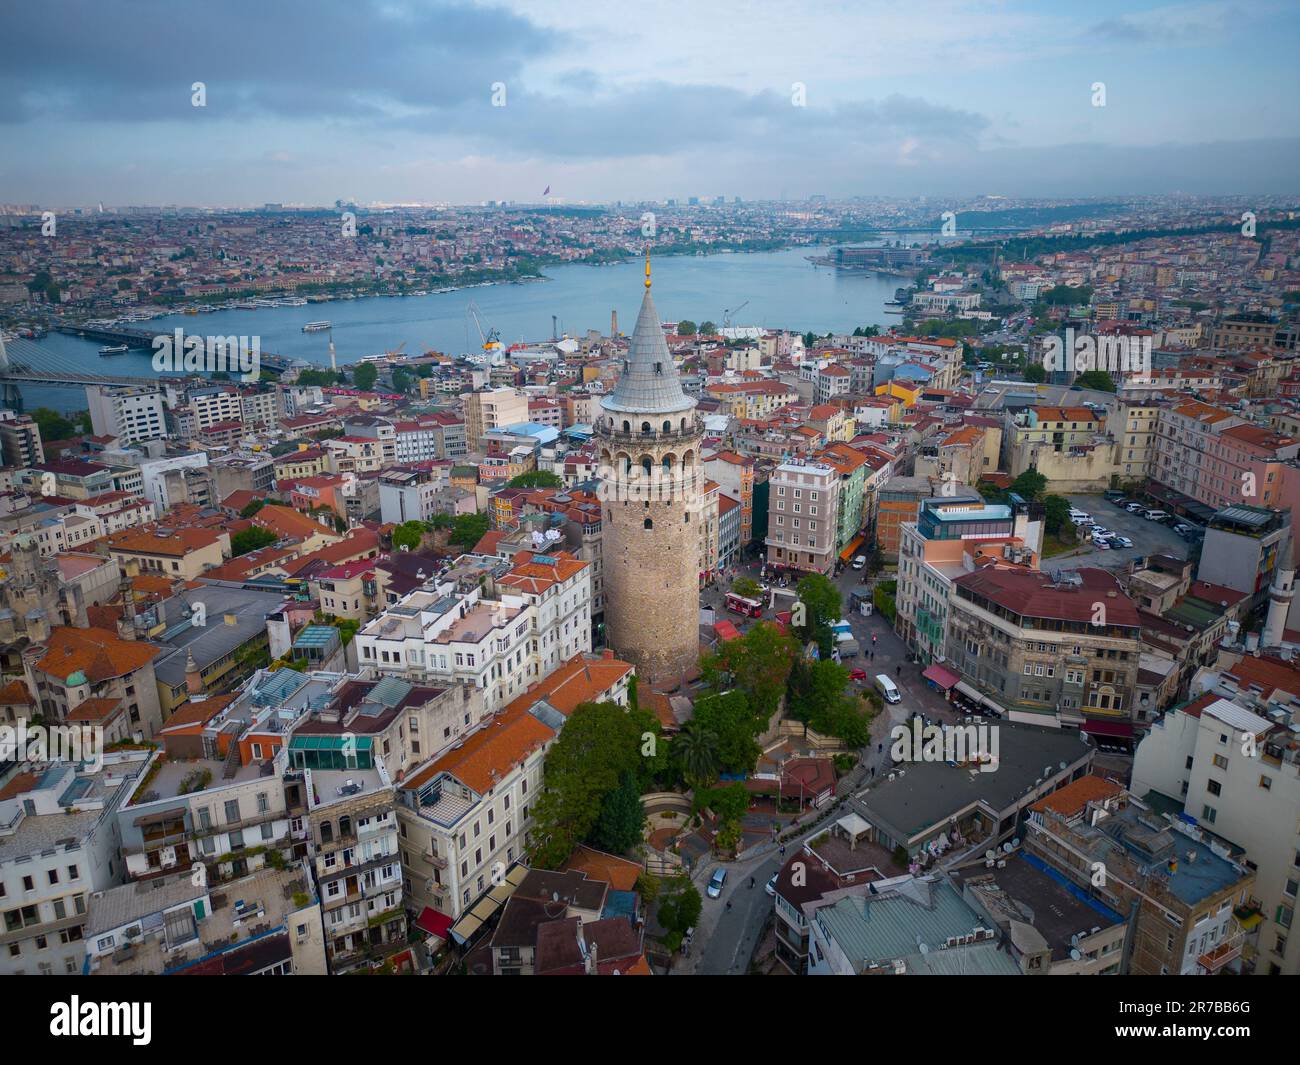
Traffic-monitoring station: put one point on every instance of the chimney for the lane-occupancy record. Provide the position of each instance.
(607, 654)
(193, 678)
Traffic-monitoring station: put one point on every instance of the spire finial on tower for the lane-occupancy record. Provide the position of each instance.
(647, 266)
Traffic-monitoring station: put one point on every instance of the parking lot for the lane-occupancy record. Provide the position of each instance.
(1149, 537)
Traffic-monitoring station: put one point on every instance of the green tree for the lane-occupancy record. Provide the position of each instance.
(696, 752)
(707, 328)
(686, 328)
(1035, 374)
(250, 539)
(252, 508)
(758, 664)
(748, 587)
(821, 696)
(1030, 485)
(408, 535)
(468, 529)
(821, 603)
(622, 818)
(1056, 513)
(600, 742)
(1098, 380)
(536, 479)
(679, 910)
(401, 381)
(729, 718)
(323, 378)
(364, 376)
(53, 425)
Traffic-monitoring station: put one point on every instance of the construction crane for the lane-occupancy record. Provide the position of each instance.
(396, 351)
(491, 340)
(728, 315)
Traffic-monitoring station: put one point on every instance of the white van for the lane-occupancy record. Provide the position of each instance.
(888, 689)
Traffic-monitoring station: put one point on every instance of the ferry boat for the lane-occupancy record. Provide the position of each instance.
(293, 301)
(315, 327)
(114, 349)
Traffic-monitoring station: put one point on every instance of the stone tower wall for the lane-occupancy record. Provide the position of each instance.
(652, 574)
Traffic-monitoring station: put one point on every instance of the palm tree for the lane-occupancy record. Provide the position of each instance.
(697, 751)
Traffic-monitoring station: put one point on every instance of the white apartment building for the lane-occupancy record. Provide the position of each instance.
(1236, 772)
(540, 617)
(59, 845)
(130, 414)
(215, 405)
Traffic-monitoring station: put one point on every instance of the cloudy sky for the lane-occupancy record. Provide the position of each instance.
(393, 100)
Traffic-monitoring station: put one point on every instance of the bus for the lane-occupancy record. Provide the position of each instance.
(738, 604)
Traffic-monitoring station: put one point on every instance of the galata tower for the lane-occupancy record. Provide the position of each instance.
(650, 480)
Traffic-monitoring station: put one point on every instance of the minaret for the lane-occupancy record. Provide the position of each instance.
(333, 364)
(649, 437)
(1280, 594)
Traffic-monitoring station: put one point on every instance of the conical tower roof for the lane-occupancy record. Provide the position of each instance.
(648, 383)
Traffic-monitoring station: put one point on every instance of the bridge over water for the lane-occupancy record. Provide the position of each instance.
(23, 362)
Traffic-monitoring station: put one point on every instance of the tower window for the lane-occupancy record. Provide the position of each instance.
(659, 367)
(645, 427)
(649, 524)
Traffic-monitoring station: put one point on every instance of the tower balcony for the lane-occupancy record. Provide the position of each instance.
(692, 431)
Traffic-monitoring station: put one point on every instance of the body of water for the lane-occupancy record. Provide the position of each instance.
(778, 289)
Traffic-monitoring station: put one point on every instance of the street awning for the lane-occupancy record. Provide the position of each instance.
(944, 678)
(488, 905)
(1123, 729)
(966, 690)
(434, 922)
(847, 553)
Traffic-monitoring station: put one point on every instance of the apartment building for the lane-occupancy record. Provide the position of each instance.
(526, 620)
(947, 541)
(488, 409)
(59, 846)
(214, 405)
(20, 440)
(355, 850)
(1136, 428)
(132, 414)
(1228, 761)
(1070, 446)
(1058, 649)
(803, 517)
(1188, 897)
(899, 500)
(176, 552)
(465, 815)
(265, 924)
(76, 665)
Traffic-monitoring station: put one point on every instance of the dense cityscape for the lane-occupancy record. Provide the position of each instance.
(961, 640)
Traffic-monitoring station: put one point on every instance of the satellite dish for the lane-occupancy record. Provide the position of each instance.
(1007, 848)
(1075, 954)
(990, 854)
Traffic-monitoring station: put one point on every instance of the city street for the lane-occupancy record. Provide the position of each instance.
(725, 939)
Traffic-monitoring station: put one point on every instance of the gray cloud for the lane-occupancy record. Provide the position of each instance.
(339, 59)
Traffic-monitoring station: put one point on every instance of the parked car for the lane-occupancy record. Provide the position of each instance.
(1133, 508)
(857, 674)
(716, 881)
(1155, 515)
(888, 689)
(1122, 503)
(770, 886)
(1101, 543)
(1114, 495)
(1120, 541)
(859, 561)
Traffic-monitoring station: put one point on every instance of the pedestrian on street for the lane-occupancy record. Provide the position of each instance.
(899, 671)
(728, 904)
(751, 881)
